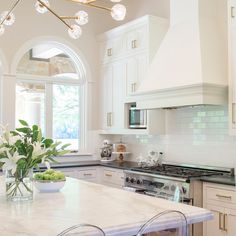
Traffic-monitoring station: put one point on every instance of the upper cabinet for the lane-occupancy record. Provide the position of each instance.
(143, 34)
(135, 44)
(232, 64)
(125, 54)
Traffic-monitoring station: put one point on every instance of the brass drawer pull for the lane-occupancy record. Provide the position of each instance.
(134, 44)
(220, 221)
(232, 12)
(109, 52)
(108, 175)
(87, 174)
(225, 222)
(133, 87)
(111, 119)
(222, 196)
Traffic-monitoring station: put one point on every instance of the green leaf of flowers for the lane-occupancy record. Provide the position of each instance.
(39, 138)
(24, 123)
(14, 133)
(47, 142)
(24, 130)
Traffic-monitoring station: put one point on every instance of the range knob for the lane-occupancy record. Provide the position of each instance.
(127, 179)
(138, 181)
(132, 180)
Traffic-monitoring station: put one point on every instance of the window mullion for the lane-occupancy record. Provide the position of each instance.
(49, 110)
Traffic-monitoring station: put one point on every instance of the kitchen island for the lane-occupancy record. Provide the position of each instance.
(117, 212)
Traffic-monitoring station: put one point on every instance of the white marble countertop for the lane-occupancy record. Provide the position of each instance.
(116, 211)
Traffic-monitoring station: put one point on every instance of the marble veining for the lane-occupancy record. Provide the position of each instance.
(116, 211)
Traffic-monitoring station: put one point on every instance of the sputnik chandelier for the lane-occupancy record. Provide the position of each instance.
(118, 13)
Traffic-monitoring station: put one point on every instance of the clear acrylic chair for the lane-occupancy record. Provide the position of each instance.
(178, 227)
(83, 230)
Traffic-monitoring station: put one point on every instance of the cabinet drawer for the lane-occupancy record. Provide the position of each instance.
(87, 174)
(221, 195)
(109, 176)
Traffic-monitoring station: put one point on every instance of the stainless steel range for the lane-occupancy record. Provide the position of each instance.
(180, 183)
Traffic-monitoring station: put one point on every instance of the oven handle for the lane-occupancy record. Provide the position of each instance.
(155, 176)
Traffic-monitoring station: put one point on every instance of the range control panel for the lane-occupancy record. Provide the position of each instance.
(157, 186)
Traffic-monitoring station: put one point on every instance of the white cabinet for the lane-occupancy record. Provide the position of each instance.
(125, 54)
(136, 68)
(112, 177)
(111, 49)
(221, 200)
(113, 78)
(107, 95)
(90, 174)
(137, 38)
(232, 64)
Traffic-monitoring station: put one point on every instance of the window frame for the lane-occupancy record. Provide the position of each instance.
(49, 81)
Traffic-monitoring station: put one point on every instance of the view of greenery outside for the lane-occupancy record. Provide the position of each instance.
(66, 117)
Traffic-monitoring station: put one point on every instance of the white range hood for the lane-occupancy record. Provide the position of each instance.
(190, 66)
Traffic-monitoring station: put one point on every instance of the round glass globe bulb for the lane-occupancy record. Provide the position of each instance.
(40, 8)
(82, 17)
(118, 12)
(10, 20)
(75, 31)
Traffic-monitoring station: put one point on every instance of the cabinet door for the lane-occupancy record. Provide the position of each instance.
(230, 222)
(107, 95)
(136, 72)
(132, 75)
(232, 65)
(119, 78)
(107, 51)
(137, 39)
(216, 226)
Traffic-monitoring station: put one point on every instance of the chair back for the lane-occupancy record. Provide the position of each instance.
(160, 225)
(83, 230)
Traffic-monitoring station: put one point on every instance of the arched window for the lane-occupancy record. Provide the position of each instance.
(50, 93)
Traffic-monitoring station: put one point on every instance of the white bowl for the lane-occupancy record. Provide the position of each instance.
(49, 186)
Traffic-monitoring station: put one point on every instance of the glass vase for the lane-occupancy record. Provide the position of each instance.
(19, 186)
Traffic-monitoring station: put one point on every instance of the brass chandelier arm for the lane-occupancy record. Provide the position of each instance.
(10, 11)
(69, 17)
(99, 7)
(55, 14)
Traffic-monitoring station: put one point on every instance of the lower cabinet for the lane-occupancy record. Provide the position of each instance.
(90, 174)
(112, 177)
(221, 200)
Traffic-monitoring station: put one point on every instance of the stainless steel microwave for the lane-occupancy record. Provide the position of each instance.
(137, 118)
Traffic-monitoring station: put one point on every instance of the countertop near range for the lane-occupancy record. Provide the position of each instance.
(227, 180)
(126, 165)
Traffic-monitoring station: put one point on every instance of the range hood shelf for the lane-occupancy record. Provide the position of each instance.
(189, 95)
